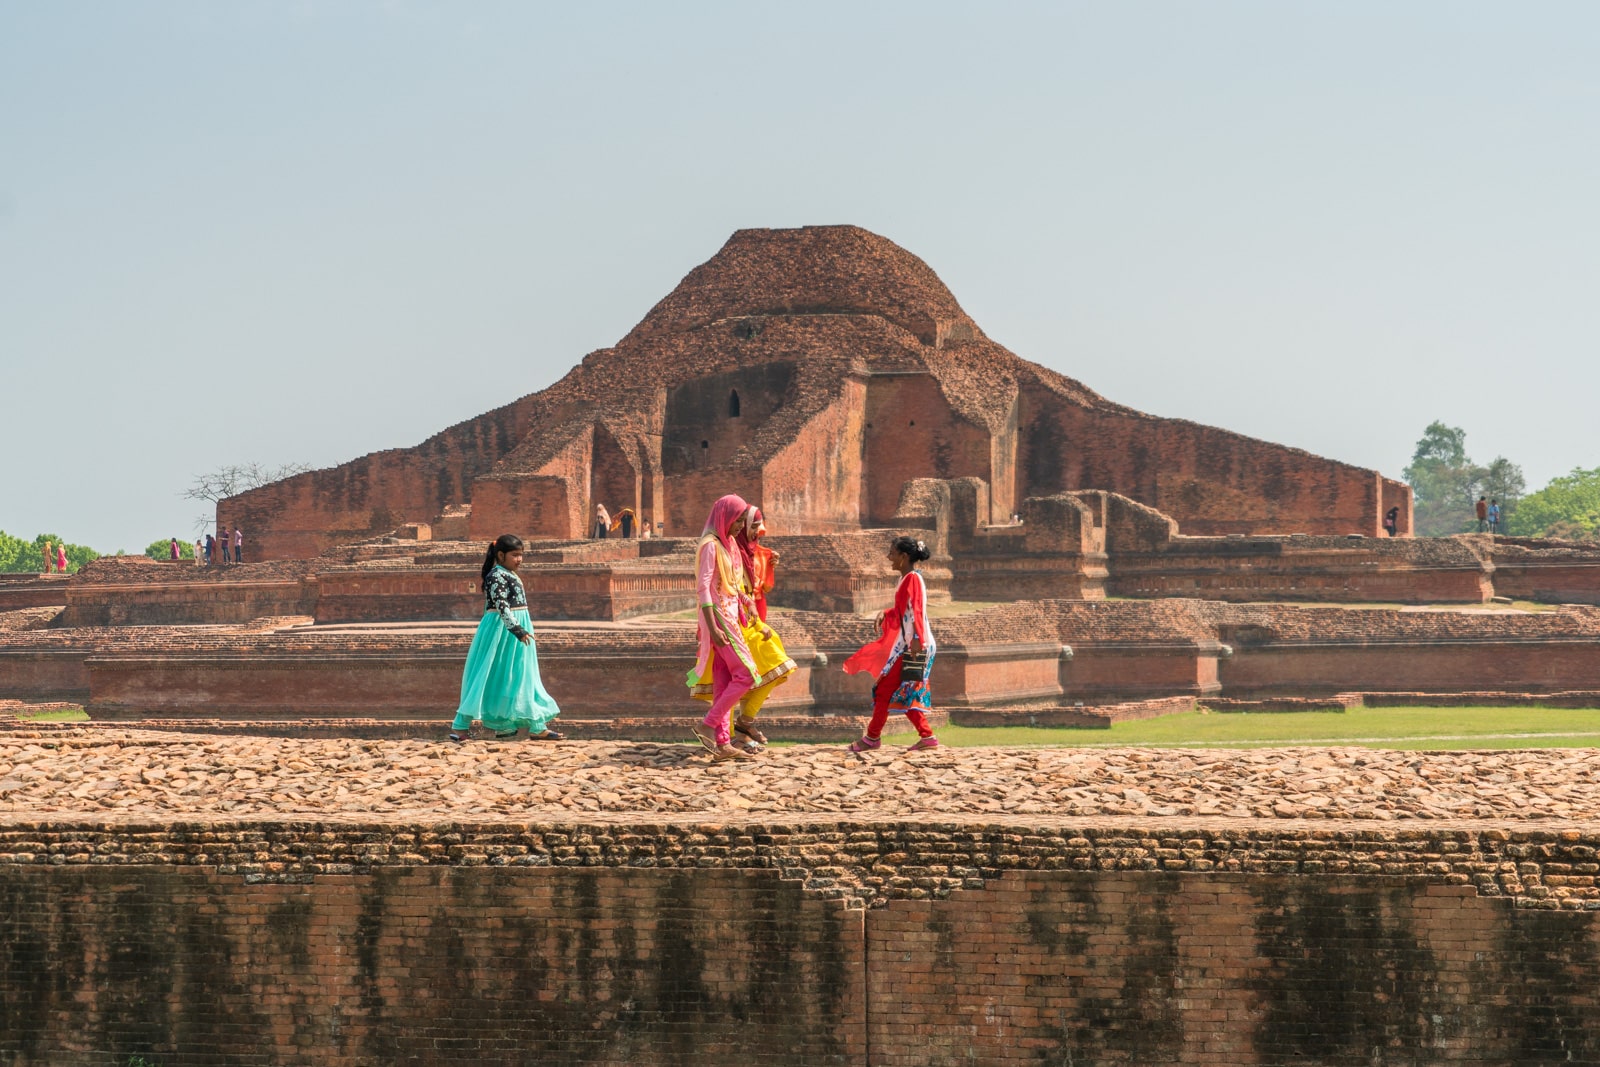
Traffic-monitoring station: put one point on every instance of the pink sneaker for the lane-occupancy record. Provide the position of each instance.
(865, 744)
(923, 743)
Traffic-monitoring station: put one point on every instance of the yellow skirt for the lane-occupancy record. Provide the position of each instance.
(773, 666)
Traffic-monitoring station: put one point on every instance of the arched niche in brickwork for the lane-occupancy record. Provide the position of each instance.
(613, 479)
(1043, 466)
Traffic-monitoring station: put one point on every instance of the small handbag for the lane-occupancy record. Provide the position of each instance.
(913, 664)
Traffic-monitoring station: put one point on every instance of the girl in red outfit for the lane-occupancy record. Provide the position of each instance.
(760, 562)
(902, 655)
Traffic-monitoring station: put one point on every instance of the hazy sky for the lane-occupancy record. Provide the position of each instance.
(282, 232)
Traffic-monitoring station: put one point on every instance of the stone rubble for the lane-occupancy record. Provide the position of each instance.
(141, 773)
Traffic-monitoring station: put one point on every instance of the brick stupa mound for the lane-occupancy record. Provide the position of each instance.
(815, 370)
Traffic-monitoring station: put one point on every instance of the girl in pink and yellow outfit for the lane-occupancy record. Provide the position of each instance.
(724, 658)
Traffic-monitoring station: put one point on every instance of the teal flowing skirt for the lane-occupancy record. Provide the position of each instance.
(501, 686)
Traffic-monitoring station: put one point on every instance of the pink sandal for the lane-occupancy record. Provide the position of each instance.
(865, 744)
(923, 743)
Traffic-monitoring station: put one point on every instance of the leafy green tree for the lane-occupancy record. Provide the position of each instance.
(1568, 507)
(23, 557)
(1445, 483)
(163, 549)
(12, 550)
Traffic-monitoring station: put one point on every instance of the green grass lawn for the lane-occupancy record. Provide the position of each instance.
(1402, 728)
(55, 715)
(1399, 728)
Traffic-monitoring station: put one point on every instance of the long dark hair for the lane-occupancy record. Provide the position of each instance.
(912, 549)
(503, 543)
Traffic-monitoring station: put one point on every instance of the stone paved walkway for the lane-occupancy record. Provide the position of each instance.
(104, 772)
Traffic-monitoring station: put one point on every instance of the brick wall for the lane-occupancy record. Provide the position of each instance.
(539, 505)
(425, 966)
(1211, 480)
(44, 674)
(912, 432)
(364, 943)
(185, 602)
(32, 591)
(813, 484)
(1228, 970)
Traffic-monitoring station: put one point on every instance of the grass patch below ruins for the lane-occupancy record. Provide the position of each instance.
(54, 715)
(1397, 728)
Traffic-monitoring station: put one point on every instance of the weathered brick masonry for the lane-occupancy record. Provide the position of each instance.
(814, 370)
(878, 941)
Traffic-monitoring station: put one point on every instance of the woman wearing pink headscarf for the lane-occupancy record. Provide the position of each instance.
(724, 658)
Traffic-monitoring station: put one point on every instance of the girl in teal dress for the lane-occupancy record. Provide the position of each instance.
(501, 685)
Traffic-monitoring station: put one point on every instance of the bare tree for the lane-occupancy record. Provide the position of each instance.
(232, 480)
(239, 478)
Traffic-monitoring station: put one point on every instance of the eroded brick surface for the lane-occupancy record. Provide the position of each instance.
(284, 901)
(855, 370)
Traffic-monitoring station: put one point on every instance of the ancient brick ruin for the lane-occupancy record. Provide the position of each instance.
(816, 370)
(259, 851)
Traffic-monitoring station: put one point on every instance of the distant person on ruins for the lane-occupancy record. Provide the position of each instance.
(902, 656)
(1483, 514)
(1494, 516)
(1391, 521)
(177, 554)
(61, 558)
(210, 547)
(500, 686)
(238, 545)
(199, 551)
(49, 559)
(602, 521)
(623, 522)
(646, 531)
(723, 661)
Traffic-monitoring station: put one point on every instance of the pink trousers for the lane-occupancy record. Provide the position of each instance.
(730, 680)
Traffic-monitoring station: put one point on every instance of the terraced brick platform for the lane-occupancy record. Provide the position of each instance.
(269, 900)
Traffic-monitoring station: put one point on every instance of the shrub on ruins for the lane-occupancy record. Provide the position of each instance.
(1568, 507)
(27, 557)
(163, 549)
(1446, 484)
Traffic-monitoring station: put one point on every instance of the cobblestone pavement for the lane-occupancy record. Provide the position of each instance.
(108, 772)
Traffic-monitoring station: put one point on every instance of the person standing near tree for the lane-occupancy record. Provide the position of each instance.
(1483, 513)
(49, 559)
(199, 551)
(176, 553)
(1494, 516)
(61, 557)
(211, 546)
